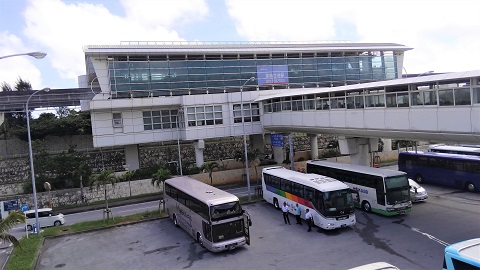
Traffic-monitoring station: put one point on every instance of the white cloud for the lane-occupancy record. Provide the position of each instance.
(444, 34)
(23, 67)
(63, 29)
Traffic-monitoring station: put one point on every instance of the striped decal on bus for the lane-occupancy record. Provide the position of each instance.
(290, 196)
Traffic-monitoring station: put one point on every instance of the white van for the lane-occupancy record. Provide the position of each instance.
(46, 218)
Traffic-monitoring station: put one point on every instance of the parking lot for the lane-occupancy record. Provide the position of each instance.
(406, 241)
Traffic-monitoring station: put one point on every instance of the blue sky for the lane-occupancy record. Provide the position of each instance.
(444, 34)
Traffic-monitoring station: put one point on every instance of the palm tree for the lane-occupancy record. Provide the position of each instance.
(82, 171)
(7, 223)
(160, 176)
(209, 167)
(102, 180)
(252, 155)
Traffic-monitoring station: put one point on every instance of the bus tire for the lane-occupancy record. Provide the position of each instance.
(366, 206)
(275, 203)
(200, 239)
(470, 186)
(419, 178)
(175, 221)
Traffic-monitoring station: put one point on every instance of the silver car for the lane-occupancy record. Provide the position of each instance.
(417, 192)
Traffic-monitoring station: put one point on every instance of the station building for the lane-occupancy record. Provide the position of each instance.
(167, 91)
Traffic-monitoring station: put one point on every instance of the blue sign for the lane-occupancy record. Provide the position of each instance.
(272, 74)
(10, 205)
(24, 207)
(277, 140)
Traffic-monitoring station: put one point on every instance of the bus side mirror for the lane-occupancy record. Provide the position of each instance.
(249, 222)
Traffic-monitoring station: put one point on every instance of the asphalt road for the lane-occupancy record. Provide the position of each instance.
(412, 241)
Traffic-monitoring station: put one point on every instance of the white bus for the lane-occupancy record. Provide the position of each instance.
(455, 149)
(211, 216)
(329, 200)
(382, 191)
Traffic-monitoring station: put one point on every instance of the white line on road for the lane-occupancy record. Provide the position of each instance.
(431, 237)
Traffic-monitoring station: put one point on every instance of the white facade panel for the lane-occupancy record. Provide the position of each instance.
(308, 119)
(354, 119)
(422, 119)
(374, 118)
(475, 116)
(145, 137)
(397, 119)
(337, 118)
(454, 119)
(322, 119)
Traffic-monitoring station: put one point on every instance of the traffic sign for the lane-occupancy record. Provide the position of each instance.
(277, 140)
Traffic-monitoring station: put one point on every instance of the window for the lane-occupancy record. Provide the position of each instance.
(117, 120)
(163, 119)
(251, 112)
(204, 116)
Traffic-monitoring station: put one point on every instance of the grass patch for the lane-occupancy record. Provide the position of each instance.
(23, 258)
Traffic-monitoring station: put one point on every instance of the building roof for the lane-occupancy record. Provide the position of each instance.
(142, 47)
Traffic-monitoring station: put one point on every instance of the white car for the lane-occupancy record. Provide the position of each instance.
(46, 218)
(417, 192)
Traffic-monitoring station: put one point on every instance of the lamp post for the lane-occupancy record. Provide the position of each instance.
(32, 171)
(245, 136)
(180, 111)
(38, 55)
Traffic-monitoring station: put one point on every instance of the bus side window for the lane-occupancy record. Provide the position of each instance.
(309, 192)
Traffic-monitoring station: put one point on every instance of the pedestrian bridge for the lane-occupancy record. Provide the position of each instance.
(437, 108)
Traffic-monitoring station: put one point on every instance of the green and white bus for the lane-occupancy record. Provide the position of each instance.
(329, 200)
(210, 215)
(378, 190)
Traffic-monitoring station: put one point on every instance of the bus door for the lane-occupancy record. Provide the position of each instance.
(356, 197)
(380, 190)
(247, 222)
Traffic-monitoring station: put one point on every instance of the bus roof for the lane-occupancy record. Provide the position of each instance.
(444, 155)
(469, 249)
(201, 191)
(319, 182)
(458, 148)
(358, 168)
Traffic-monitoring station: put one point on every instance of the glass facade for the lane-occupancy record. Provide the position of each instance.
(455, 93)
(168, 75)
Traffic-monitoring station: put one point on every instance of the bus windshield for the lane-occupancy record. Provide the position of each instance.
(228, 231)
(338, 200)
(397, 190)
(226, 210)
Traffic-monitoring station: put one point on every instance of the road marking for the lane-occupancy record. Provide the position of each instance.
(431, 237)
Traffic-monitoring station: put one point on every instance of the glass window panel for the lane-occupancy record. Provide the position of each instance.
(445, 97)
(462, 96)
(147, 127)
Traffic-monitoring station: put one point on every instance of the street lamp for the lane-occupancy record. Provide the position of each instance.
(245, 136)
(180, 111)
(32, 171)
(38, 55)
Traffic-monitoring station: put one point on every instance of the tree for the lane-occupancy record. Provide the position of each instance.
(209, 167)
(7, 223)
(252, 155)
(83, 172)
(160, 176)
(102, 180)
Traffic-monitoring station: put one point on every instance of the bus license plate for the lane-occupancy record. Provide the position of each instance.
(231, 246)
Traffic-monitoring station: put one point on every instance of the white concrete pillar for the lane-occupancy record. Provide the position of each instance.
(313, 146)
(132, 161)
(358, 148)
(278, 154)
(199, 147)
(387, 145)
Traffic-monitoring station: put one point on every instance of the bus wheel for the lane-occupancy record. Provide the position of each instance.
(175, 221)
(470, 186)
(366, 206)
(419, 178)
(199, 239)
(275, 203)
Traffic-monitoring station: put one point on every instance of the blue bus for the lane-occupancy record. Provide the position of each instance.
(455, 170)
(462, 255)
